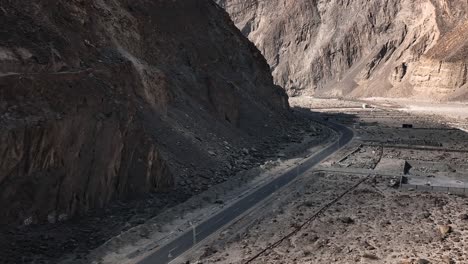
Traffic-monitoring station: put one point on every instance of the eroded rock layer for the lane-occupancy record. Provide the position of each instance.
(104, 99)
(358, 48)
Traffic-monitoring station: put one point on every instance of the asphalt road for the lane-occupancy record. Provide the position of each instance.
(177, 247)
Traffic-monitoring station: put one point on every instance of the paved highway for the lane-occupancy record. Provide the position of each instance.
(177, 247)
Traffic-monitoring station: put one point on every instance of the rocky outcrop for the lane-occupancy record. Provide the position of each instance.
(436, 79)
(358, 48)
(443, 70)
(101, 100)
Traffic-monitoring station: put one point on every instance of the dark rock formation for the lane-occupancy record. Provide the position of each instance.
(100, 100)
(360, 48)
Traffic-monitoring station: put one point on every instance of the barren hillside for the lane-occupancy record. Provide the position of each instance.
(106, 99)
(395, 48)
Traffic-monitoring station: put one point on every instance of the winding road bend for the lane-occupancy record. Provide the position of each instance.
(186, 241)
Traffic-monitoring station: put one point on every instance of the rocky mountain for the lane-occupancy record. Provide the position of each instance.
(101, 100)
(357, 48)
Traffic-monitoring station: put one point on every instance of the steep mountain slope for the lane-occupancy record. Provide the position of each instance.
(360, 48)
(104, 99)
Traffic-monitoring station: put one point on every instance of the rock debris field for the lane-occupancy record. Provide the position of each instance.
(73, 240)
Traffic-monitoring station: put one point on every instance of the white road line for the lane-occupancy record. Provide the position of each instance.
(173, 249)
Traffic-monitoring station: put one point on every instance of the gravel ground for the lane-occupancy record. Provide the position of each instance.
(373, 223)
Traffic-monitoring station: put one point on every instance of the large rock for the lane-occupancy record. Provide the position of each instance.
(103, 99)
(361, 48)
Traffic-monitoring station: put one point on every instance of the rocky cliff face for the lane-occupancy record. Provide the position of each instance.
(104, 99)
(360, 48)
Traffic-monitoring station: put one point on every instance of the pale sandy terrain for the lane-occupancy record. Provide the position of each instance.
(452, 110)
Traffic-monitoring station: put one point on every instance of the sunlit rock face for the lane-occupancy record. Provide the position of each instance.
(358, 48)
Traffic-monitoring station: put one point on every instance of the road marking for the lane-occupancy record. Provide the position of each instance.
(169, 256)
(173, 249)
